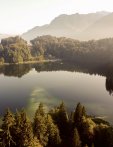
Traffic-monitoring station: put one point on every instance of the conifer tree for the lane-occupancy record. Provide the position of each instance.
(63, 112)
(40, 125)
(40, 110)
(60, 117)
(53, 133)
(84, 111)
(17, 128)
(76, 139)
(79, 113)
(24, 131)
(7, 126)
(87, 131)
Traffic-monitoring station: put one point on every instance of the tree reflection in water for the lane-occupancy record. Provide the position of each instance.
(109, 85)
(22, 69)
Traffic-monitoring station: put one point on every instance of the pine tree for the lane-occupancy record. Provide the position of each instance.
(7, 126)
(76, 139)
(87, 131)
(84, 111)
(17, 128)
(63, 112)
(24, 131)
(40, 126)
(26, 127)
(53, 133)
(60, 117)
(40, 110)
(78, 114)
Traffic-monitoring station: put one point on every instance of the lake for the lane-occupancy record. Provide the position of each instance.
(51, 83)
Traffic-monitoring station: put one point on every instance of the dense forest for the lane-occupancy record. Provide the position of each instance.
(96, 52)
(55, 128)
(16, 50)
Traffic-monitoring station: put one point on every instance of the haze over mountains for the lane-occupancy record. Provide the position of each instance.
(78, 26)
(103, 28)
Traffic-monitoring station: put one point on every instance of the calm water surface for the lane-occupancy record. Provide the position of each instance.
(50, 83)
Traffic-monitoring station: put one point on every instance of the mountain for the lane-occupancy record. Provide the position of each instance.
(71, 26)
(103, 28)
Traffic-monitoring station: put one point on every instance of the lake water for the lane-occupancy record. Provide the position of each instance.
(28, 85)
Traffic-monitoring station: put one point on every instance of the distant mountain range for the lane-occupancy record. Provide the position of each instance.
(78, 26)
(103, 28)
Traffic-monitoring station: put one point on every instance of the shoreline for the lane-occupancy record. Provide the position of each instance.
(31, 62)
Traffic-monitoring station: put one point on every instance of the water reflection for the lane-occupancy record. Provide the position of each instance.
(109, 85)
(22, 69)
(15, 70)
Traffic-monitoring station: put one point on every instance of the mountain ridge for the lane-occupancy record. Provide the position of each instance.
(71, 26)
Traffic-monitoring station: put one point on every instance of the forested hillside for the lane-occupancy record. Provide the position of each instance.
(16, 50)
(55, 128)
(96, 52)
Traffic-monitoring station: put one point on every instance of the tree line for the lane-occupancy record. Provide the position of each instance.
(93, 51)
(55, 128)
(16, 50)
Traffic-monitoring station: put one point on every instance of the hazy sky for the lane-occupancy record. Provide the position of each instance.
(17, 16)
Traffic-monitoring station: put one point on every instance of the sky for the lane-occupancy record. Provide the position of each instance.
(18, 16)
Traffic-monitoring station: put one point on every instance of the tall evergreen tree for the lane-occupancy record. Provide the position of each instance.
(7, 126)
(40, 125)
(79, 113)
(84, 111)
(53, 133)
(60, 117)
(87, 131)
(24, 131)
(76, 139)
(40, 110)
